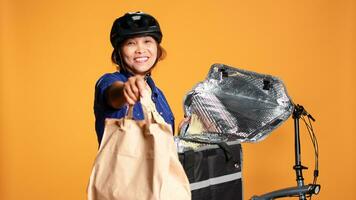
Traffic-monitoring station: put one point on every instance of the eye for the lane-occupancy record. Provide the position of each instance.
(148, 40)
(130, 42)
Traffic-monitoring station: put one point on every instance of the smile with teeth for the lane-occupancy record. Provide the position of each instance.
(141, 59)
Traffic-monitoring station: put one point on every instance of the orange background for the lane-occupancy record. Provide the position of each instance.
(52, 53)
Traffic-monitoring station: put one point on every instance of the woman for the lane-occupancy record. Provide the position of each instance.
(136, 39)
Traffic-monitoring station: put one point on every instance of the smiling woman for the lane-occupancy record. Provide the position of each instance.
(139, 54)
(136, 39)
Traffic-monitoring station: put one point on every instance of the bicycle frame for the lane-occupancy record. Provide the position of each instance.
(300, 190)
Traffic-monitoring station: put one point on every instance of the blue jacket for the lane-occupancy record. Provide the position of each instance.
(102, 110)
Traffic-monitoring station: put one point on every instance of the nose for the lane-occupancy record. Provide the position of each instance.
(140, 48)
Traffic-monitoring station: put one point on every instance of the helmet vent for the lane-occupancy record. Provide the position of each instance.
(136, 17)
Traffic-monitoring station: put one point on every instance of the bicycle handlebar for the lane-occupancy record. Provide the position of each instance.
(288, 192)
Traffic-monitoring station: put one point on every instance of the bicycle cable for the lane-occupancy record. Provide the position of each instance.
(314, 141)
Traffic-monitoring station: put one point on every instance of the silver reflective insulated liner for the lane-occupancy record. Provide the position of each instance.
(236, 105)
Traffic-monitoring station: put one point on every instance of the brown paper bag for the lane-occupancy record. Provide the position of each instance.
(138, 160)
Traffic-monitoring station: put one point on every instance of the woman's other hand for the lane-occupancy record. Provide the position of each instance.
(183, 125)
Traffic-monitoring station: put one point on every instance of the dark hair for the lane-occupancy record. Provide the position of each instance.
(116, 58)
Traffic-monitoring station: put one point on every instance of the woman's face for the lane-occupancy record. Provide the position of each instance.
(139, 54)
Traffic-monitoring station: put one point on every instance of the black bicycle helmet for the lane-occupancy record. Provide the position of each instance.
(134, 24)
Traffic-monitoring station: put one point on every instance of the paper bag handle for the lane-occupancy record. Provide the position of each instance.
(148, 107)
